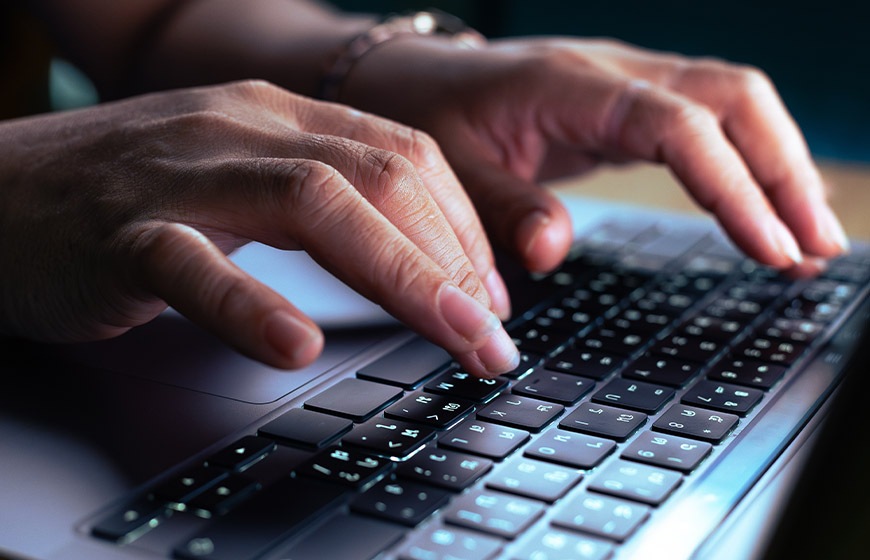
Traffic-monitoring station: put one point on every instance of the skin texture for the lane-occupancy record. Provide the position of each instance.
(121, 209)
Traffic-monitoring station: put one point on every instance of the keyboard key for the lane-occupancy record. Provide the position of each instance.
(520, 412)
(131, 521)
(389, 438)
(641, 322)
(635, 395)
(642, 483)
(667, 451)
(466, 386)
(791, 330)
(528, 361)
(438, 411)
(588, 363)
(746, 372)
(400, 501)
(601, 515)
(769, 350)
(552, 544)
(723, 396)
(612, 340)
(261, 522)
(450, 543)
(661, 370)
(347, 467)
(713, 328)
(182, 488)
(354, 398)
(533, 479)
(574, 450)
(686, 347)
(306, 428)
(553, 386)
(499, 514)
(483, 438)
(605, 421)
(538, 340)
(694, 422)
(223, 496)
(242, 454)
(348, 537)
(407, 366)
(444, 468)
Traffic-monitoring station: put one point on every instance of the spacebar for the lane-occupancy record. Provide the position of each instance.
(274, 514)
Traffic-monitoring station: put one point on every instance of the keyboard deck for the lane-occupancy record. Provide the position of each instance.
(648, 360)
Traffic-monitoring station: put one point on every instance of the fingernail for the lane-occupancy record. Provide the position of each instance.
(498, 293)
(292, 338)
(786, 242)
(475, 323)
(835, 230)
(529, 230)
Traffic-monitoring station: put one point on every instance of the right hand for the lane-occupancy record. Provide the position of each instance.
(109, 214)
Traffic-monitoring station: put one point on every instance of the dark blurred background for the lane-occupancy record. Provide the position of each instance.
(818, 53)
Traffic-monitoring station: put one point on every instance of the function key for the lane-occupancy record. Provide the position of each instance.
(694, 422)
(356, 399)
(306, 428)
(664, 450)
(602, 420)
(723, 396)
(635, 395)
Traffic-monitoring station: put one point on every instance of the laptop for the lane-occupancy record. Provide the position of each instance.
(675, 400)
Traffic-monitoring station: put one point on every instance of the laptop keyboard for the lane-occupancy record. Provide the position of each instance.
(648, 353)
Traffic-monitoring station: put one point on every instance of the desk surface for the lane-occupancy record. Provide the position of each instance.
(653, 186)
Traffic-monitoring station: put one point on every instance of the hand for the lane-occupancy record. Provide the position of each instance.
(111, 213)
(521, 111)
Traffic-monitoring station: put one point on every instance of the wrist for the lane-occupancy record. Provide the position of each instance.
(428, 27)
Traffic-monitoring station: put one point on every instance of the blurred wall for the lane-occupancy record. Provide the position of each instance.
(818, 53)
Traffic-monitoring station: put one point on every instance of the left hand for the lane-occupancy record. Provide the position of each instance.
(521, 111)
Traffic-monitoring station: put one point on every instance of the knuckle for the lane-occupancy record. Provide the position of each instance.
(389, 177)
(693, 118)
